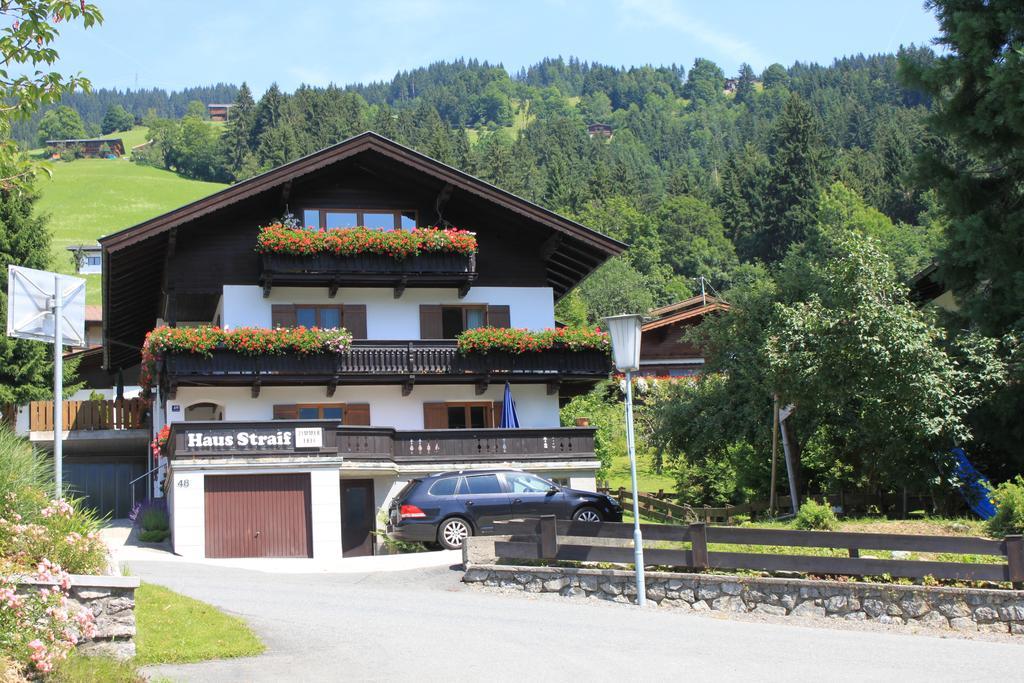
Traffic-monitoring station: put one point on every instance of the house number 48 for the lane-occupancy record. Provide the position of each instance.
(183, 483)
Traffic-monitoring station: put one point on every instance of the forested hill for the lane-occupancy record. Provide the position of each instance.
(702, 176)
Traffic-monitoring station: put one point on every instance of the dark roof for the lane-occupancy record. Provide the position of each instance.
(84, 247)
(688, 309)
(573, 251)
(109, 141)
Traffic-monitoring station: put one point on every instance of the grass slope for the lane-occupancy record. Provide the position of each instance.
(89, 198)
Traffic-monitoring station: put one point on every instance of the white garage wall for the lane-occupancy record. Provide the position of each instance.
(387, 317)
(388, 408)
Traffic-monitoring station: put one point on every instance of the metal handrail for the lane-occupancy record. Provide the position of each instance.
(131, 484)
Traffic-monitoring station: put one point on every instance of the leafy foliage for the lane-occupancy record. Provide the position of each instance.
(815, 516)
(398, 243)
(521, 340)
(1009, 500)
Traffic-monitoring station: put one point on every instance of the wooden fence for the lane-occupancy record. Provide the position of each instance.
(657, 506)
(132, 413)
(550, 539)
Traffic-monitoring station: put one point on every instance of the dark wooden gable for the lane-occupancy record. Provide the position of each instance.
(175, 266)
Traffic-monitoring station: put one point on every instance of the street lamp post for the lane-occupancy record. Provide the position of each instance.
(625, 333)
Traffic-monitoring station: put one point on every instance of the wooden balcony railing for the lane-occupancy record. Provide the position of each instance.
(406, 447)
(383, 361)
(333, 271)
(132, 413)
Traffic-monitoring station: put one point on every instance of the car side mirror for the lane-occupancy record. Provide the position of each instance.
(554, 489)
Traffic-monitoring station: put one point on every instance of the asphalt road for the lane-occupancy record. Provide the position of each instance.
(425, 625)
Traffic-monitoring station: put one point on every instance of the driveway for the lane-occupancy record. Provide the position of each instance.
(424, 624)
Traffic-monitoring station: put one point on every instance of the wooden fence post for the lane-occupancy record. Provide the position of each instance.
(1015, 559)
(699, 545)
(548, 537)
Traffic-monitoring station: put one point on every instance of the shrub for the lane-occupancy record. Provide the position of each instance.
(154, 535)
(154, 517)
(1009, 501)
(815, 516)
(519, 340)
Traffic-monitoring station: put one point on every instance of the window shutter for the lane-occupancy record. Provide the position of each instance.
(496, 413)
(282, 315)
(353, 319)
(430, 322)
(499, 316)
(286, 412)
(357, 414)
(435, 416)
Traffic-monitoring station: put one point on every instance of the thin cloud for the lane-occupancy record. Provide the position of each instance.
(666, 14)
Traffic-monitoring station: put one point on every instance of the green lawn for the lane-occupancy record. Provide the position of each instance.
(89, 198)
(130, 138)
(648, 480)
(171, 629)
(175, 629)
(520, 119)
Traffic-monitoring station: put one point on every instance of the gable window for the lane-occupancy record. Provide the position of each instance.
(446, 322)
(380, 219)
(461, 415)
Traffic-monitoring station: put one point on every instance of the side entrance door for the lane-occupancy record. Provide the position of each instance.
(357, 517)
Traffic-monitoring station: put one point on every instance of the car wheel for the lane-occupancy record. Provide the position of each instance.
(587, 515)
(453, 533)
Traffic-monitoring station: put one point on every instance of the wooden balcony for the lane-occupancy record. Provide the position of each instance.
(369, 270)
(419, 447)
(385, 362)
(125, 414)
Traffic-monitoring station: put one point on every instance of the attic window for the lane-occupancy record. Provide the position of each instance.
(380, 219)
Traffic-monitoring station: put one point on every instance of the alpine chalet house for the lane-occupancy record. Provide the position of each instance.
(307, 368)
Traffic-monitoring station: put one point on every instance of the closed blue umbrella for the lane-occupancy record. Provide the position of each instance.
(509, 419)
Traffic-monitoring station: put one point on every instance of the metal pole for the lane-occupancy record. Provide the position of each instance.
(638, 541)
(790, 466)
(58, 387)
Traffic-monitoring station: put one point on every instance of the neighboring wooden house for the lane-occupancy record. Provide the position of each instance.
(324, 441)
(663, 351)
(88, 258)
(927, 289)
(219, 112)
(89, 147)
(600, 130)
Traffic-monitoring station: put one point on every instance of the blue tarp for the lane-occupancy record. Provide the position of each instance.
(974, 487)
(509, 419)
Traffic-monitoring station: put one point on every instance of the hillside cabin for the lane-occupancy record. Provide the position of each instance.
(323, 440)
(219, 112)
(927, 289)
(88, 258)
(663, 350)
(599, 130)
(94, 148)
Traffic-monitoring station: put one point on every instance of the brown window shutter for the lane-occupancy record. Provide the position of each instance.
(496, 413)
(357, 414)
(282, 315)
(430, 322)
(435, 416)
(499, 316)
(353, 319)
(286, 412)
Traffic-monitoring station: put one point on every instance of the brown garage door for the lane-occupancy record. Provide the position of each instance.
(258, 515)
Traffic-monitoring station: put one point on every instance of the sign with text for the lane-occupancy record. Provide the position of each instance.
(241, 440)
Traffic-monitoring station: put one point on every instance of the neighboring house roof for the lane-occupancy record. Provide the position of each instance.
(700, 299)
(109, 141)
(681, 313)
(85, 247)
(219, 105)
(571, 252)
(93, 313)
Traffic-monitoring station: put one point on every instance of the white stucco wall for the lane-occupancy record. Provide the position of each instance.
(387, 317)
(388, 408)
(187, 504)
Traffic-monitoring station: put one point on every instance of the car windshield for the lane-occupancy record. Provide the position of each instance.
(407, 489)
(521, 482)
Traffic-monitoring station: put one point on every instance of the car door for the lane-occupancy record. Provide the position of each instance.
(484, 500)
(532, 496)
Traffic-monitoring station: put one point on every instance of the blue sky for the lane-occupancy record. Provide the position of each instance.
(172, 44)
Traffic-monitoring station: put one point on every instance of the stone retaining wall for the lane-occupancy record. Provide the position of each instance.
(111, 599)
(965, 609)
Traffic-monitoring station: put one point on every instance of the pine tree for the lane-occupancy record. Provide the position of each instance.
(745, 90)
(795, 178)
(237, 139)
(26, 367)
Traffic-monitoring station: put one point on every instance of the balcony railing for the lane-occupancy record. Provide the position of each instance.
(386, 361)
(333, 271)
(132, 413)
(423, 446)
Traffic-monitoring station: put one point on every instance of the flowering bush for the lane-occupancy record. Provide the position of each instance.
(39, 627)
(519, 340)
(399, 244)
(159, 441)
(251, 341)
